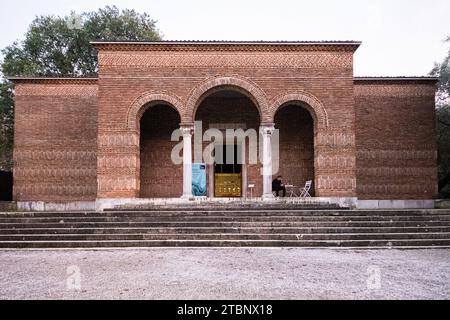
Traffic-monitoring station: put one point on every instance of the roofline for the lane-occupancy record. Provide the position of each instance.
(227, 45)
(425, 79)
(69, 80)
(51, 78)
(397, 78)
(214, 42)
(95, 79)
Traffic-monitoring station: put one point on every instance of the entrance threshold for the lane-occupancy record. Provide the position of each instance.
(102, 204)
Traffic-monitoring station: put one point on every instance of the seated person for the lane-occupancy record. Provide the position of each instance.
(277, 186)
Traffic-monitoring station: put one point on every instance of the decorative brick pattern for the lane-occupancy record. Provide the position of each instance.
(55, 141)
(396, 148)
(57, 90)
(217, 83)
(308, 101)
(80, 139)
(395, 90)
(147, 100)
(231, 59)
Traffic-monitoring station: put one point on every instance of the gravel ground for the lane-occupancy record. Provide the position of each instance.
(224, 273)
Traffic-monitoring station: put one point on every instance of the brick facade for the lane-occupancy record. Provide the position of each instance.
(87, 139)
(396, 152)
(55, 140)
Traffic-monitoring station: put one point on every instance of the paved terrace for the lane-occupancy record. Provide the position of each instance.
(228, 273)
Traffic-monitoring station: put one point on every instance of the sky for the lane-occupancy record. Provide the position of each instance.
(399, 37)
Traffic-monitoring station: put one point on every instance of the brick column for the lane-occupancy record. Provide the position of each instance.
(118, 164)
(187, 132)
(266, 131)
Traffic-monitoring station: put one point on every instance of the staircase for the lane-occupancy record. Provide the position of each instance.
(216, 226)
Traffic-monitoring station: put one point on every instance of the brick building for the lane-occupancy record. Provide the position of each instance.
(108, 139)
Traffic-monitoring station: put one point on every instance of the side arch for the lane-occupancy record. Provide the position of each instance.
(306, 100)
(145, 101)
(244, 86)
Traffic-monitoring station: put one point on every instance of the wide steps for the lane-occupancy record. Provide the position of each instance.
(247, 230)
(207, 219)
(228, 213)
(215, 227)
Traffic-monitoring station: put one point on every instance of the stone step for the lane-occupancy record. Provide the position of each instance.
(226, 236)
(231, 206)
(229, 213)
(274, 218)
(229, 224)
(8, 206)
(230, 243)
(215, 230)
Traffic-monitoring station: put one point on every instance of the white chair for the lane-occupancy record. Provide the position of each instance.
(305, 191)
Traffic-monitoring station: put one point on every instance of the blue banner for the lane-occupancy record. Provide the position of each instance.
(199, 179)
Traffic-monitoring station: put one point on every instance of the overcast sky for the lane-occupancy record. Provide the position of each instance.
(400, 37)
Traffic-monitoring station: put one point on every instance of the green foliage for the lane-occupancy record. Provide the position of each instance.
(60, 47)
(6, 125)
(442, 71)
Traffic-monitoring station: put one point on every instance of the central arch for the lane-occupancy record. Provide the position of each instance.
(220, 83)
(233, 165)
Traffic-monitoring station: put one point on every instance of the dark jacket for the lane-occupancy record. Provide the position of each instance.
(276, 185)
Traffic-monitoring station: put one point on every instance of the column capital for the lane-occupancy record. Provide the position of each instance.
(187, 129)
(267, 128)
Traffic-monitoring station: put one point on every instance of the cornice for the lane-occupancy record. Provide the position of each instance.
(50, 80)
(252, 46)
(395, 80)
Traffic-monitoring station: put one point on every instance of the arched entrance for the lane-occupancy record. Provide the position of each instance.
(159, 176)
(231, 108)
(296, 145)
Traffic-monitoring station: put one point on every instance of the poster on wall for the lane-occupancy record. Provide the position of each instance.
(199, 179)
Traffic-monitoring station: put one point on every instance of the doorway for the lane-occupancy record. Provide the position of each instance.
(228, 171)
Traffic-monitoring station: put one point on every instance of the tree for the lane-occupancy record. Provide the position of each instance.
(442, 71)
(60, 47)
(6, 125)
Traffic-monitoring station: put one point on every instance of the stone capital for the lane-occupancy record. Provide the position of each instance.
(267, 128)
(187, 130)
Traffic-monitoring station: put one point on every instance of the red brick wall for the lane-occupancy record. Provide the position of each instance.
(395, 139)
(80, 139)
(322, 75)
(296, 129)
(159, 176)
(55, 143)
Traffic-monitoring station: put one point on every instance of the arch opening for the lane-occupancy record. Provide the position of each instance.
(159, 177)
(296, 125)
(229, 108)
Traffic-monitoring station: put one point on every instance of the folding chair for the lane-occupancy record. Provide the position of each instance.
(305, 191)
